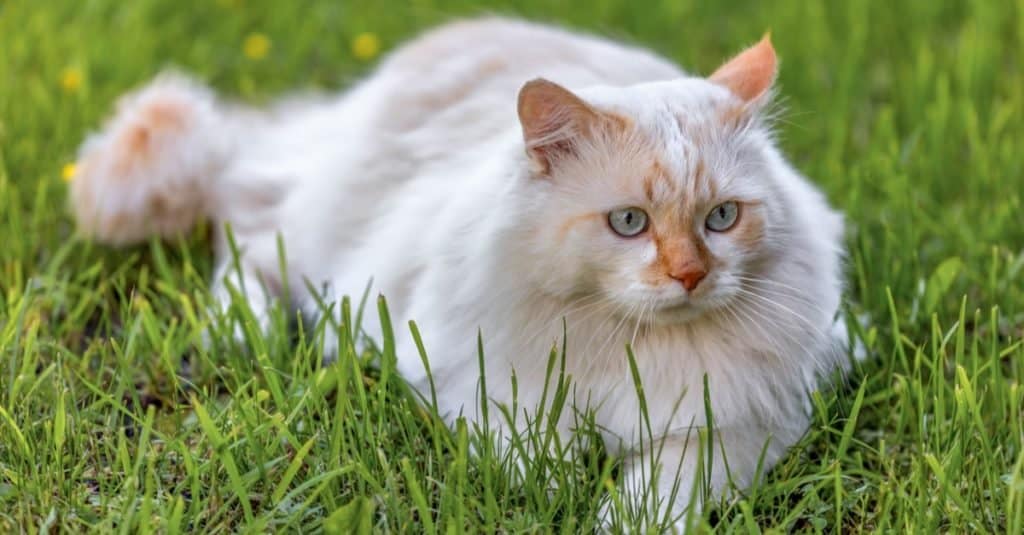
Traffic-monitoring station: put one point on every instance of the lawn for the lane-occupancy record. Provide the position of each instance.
(115, 416)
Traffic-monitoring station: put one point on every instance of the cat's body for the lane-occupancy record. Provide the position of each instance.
(418, 179)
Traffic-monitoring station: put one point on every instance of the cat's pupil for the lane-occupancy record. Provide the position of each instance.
(629, 218)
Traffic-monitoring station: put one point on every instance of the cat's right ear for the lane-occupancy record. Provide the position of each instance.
(552, 118)
(751, 73)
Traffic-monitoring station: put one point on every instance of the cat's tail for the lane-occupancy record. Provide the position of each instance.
(151, 169)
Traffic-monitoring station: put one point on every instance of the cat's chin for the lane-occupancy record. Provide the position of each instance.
(688, 310)
(676, 313)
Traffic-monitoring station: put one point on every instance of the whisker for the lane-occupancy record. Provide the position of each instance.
(798, 344)
(781, 286)
(639, 321)
(782, 307)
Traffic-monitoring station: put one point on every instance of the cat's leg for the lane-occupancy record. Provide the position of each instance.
(321, 304)
(532, 444)
(525, 437)
(242, 285)
(669, 477)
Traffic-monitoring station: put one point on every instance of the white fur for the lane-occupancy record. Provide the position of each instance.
(418, 179)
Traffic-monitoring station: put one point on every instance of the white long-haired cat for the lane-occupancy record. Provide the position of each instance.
(636, 203)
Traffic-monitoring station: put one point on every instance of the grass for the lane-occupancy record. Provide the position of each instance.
(114, 417)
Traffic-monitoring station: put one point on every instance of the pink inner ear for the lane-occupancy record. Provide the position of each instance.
(751, 73)
(551, 116)
(547, 109)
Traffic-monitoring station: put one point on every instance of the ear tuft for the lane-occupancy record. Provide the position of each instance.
(551, 117)
(751, 73)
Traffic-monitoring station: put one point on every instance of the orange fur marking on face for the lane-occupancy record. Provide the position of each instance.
(749, 229)
(681, 256)
(574, 221)
(655, 175)
(698, 169)
(649, 188)
(702, 178)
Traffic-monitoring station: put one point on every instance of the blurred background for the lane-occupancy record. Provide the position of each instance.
(911, 104)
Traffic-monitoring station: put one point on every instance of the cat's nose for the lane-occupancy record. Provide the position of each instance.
(690, 276)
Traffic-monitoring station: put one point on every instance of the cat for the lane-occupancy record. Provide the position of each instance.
(537, 186)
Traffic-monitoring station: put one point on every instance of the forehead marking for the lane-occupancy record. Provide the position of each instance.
(658, 182)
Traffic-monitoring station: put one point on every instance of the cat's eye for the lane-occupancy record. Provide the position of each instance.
(628, 222)
(723, 216)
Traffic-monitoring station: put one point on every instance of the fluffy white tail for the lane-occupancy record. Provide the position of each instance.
(150, 170)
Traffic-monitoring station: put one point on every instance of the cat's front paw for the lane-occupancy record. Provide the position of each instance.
(613, 520)
(332, 344)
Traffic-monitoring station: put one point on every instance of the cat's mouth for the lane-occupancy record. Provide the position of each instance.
(674, 312)
(686, 309)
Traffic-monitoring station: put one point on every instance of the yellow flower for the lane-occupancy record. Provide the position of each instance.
(140, 304)
(365, 46)
(256, 46)
(71, 79)
(67, 173)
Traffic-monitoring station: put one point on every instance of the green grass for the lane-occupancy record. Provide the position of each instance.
(114, 416)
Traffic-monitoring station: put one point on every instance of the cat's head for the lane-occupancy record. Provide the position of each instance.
(662, 199)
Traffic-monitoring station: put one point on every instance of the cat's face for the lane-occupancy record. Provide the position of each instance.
(660, 202)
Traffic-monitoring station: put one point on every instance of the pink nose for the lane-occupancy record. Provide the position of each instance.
(690, 277)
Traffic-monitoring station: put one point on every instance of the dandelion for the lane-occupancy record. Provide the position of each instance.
(67, 173)
(71, 80)
(256, 46)
(365, 46)
(140, 304)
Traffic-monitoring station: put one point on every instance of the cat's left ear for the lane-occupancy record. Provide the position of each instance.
(751, 73)
(553, 120)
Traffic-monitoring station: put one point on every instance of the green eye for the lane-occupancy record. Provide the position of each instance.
(723, 216)
(628, 222)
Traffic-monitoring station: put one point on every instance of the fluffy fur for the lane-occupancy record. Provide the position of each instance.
(468, 217)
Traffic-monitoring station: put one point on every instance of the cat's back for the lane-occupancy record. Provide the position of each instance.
(419, 132)
(473, 69)
(495, 47)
